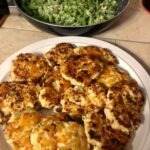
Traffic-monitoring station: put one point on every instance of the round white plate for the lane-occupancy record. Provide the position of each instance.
(141, 138)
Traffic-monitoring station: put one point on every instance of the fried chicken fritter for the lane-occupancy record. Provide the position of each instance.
(17, 96)
(111, 75)
(79, 100)
(53, 88)
(18, 129)
(124, 105)
(28, 67)
(81, 69)
(54, 133)
(100, 134)
(59, 54)
(98, 53)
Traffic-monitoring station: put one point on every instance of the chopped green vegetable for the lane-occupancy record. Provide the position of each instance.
(71, 12)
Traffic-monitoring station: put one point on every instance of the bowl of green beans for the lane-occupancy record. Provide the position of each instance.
(72, 17)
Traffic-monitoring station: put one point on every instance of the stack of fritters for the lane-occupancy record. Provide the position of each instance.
(99, 105)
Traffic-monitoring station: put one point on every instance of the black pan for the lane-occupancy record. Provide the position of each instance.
(66, 30)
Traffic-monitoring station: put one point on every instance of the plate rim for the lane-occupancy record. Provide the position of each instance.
(87, 40)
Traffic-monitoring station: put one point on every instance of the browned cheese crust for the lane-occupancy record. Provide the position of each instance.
(55, 133)
(17, 96)
(82, 69)
(59, 54)
(124, 103)
(112, 75)
(81, 100)
(101, 54)
(28, 67)
(100, 134)
(18, 129)
(53, 88)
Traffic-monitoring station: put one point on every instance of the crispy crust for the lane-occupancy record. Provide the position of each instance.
(100, 134)
(54, 133)
(125, 103)
(28, 67)
(59, 54)
(17, 130)
(53, 88)
(112, 75)
(82, 69)
(78, 101)
(101, 54)
(17, 96)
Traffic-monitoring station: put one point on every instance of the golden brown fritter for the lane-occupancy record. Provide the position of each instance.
(112, 75)
(59, 54)
(100, 134)
(17, 96)
(53, 88)
(81, 69)
(124, 105)
(102, 54)
(28, 67)
(18, 129)
(96, 105)
(54, 133)
(78, 100)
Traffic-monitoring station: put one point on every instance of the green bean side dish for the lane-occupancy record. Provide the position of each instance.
(71, 12)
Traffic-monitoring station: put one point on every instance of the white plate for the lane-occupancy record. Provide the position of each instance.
(141, 139)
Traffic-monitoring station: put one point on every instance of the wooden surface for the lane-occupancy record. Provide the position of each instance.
(131, 32)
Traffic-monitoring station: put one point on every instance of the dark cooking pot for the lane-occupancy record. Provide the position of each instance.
(67, 30)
